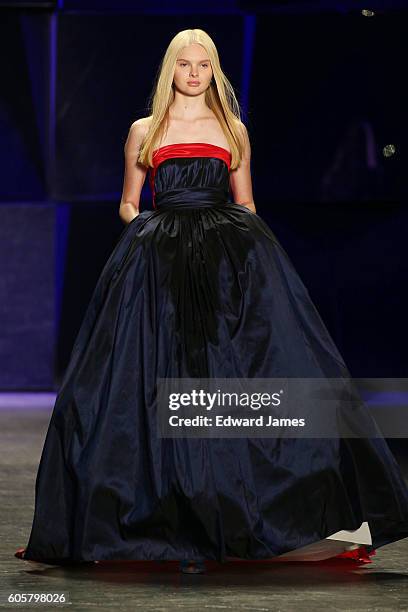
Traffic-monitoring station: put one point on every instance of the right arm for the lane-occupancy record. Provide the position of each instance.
(135, 173)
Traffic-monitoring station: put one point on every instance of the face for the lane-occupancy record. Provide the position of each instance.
(193, 72)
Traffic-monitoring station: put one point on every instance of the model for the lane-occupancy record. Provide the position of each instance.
(199, 286)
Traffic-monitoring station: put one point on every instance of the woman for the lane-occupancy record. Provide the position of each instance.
(199, 287)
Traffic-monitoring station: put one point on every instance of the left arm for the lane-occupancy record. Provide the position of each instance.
(240, 178)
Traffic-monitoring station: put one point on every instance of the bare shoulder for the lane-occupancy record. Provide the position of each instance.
(137, 133)
(242, 128)
(245, 139)
(142, 124)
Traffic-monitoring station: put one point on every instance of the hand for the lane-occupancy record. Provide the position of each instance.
(136, 215)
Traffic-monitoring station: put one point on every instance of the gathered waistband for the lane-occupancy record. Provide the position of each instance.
(195, 197)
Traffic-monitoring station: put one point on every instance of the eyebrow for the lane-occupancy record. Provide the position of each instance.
(180, 59)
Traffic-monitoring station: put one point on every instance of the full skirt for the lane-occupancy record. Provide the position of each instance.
(199, 292)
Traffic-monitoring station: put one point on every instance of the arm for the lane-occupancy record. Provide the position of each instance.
(240, 178)
(135, 173)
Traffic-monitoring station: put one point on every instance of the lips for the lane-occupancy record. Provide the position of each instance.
(193, 82)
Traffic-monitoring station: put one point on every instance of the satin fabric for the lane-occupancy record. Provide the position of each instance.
(199, 286)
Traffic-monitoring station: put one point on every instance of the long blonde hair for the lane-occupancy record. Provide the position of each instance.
(219, 97)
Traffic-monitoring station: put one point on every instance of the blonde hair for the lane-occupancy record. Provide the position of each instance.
(219, 97)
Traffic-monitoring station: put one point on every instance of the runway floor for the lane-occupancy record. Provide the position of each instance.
(258, 586)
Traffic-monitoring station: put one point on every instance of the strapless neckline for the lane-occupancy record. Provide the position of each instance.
(175, 175)
(189, 144)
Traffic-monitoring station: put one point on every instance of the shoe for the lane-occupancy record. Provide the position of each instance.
(20, 553)
(191, 566)
(360, 555)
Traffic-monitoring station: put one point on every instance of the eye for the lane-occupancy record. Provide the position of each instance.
(182, 64)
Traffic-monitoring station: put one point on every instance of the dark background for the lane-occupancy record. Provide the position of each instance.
(322, 89)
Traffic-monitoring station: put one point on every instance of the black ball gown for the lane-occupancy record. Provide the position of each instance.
(200, 286)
